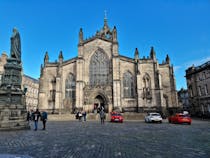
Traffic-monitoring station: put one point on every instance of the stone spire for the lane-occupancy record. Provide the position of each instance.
(152, 53)
(167, 59)
(41, 69)
(106, 27)
(114, 34)
(46, 58)
(136, 55)
(80, 36)
(60, 57)
(105, 20)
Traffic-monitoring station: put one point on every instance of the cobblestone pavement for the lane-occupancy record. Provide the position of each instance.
(132, 139)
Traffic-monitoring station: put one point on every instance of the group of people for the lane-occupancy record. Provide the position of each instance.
(79, 115)
(83, 114)
(35, 116)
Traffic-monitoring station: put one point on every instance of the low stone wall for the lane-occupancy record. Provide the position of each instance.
(92, 116)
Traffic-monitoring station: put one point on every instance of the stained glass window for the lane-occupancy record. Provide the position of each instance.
(128, 85)
(99, 69)
(70, 86)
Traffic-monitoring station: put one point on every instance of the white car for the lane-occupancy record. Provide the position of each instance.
(153, 117)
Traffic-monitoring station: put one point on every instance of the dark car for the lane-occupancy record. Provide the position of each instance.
(116, 117)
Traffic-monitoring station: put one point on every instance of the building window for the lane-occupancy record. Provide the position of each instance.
(206, 89)
(52, 95)
(147, 87)
(99, 69)
(190, 91)
(202, 109)
(0, 79)
(209, 108)
(70, 87)
(204, 76)
(199, 90)
(128, 85)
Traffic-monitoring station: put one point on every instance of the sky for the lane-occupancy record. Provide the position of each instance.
(179, 28)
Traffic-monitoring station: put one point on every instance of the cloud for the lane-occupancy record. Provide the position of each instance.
(196, 62)
(176, 68)
(190, 63)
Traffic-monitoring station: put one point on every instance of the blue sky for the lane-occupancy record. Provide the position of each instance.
(178, 28)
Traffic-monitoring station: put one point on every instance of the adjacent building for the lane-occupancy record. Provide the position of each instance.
(198, 83)
(100, 77)
(31, 87)
(183, 99)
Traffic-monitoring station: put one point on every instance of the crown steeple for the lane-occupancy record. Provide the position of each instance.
(105, 20)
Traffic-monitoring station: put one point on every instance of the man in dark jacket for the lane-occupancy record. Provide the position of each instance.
(36, 116)
(44, 119)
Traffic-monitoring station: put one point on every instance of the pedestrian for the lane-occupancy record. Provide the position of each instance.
(77, 115)
(36, 116)
(84, 115)
(102, 116)
(44, 119)
(28, 116)
(80, 116)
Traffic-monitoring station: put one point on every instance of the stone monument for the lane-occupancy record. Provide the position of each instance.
(12, 98)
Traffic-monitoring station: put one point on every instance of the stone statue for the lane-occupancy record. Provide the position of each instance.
(15, 45)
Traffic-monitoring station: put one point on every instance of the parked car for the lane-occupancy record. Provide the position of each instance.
(153, 117)
(116, 117)
(180, 118)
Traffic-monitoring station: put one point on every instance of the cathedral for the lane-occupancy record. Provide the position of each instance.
(100, 77)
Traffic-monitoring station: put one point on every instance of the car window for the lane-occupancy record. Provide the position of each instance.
(181, 116)
(155, 114)
(116, 114)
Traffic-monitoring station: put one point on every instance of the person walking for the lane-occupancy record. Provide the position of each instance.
(84, 114)
(36, 116)
(102, 116)
(28, 116)
(44, 119)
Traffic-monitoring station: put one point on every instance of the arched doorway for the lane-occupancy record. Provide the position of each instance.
(100, 102)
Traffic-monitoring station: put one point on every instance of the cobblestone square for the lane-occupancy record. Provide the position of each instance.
(131, 139)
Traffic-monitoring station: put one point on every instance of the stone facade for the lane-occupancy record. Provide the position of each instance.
(198, 83)
(183, 99)
(31, 87)
(100, 76)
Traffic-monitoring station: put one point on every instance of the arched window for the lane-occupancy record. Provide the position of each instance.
(147, 87)
(70, 86)
(128, 85)
(99, 69)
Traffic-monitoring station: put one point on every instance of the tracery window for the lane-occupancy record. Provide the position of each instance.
(99, 69)
(70, 86)
(147, 87)
(128, 85)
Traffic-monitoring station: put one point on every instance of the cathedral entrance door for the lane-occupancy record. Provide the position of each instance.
(100, 103)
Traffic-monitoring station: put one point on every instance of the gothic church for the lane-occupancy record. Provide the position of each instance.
(100, 77)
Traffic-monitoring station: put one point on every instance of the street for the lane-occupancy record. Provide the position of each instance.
(131, 139)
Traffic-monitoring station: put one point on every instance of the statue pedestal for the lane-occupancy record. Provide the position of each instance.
(13, 112)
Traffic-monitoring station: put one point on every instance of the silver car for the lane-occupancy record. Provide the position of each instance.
(153, 117)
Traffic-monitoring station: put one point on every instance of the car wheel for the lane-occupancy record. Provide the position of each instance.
(160, 121)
